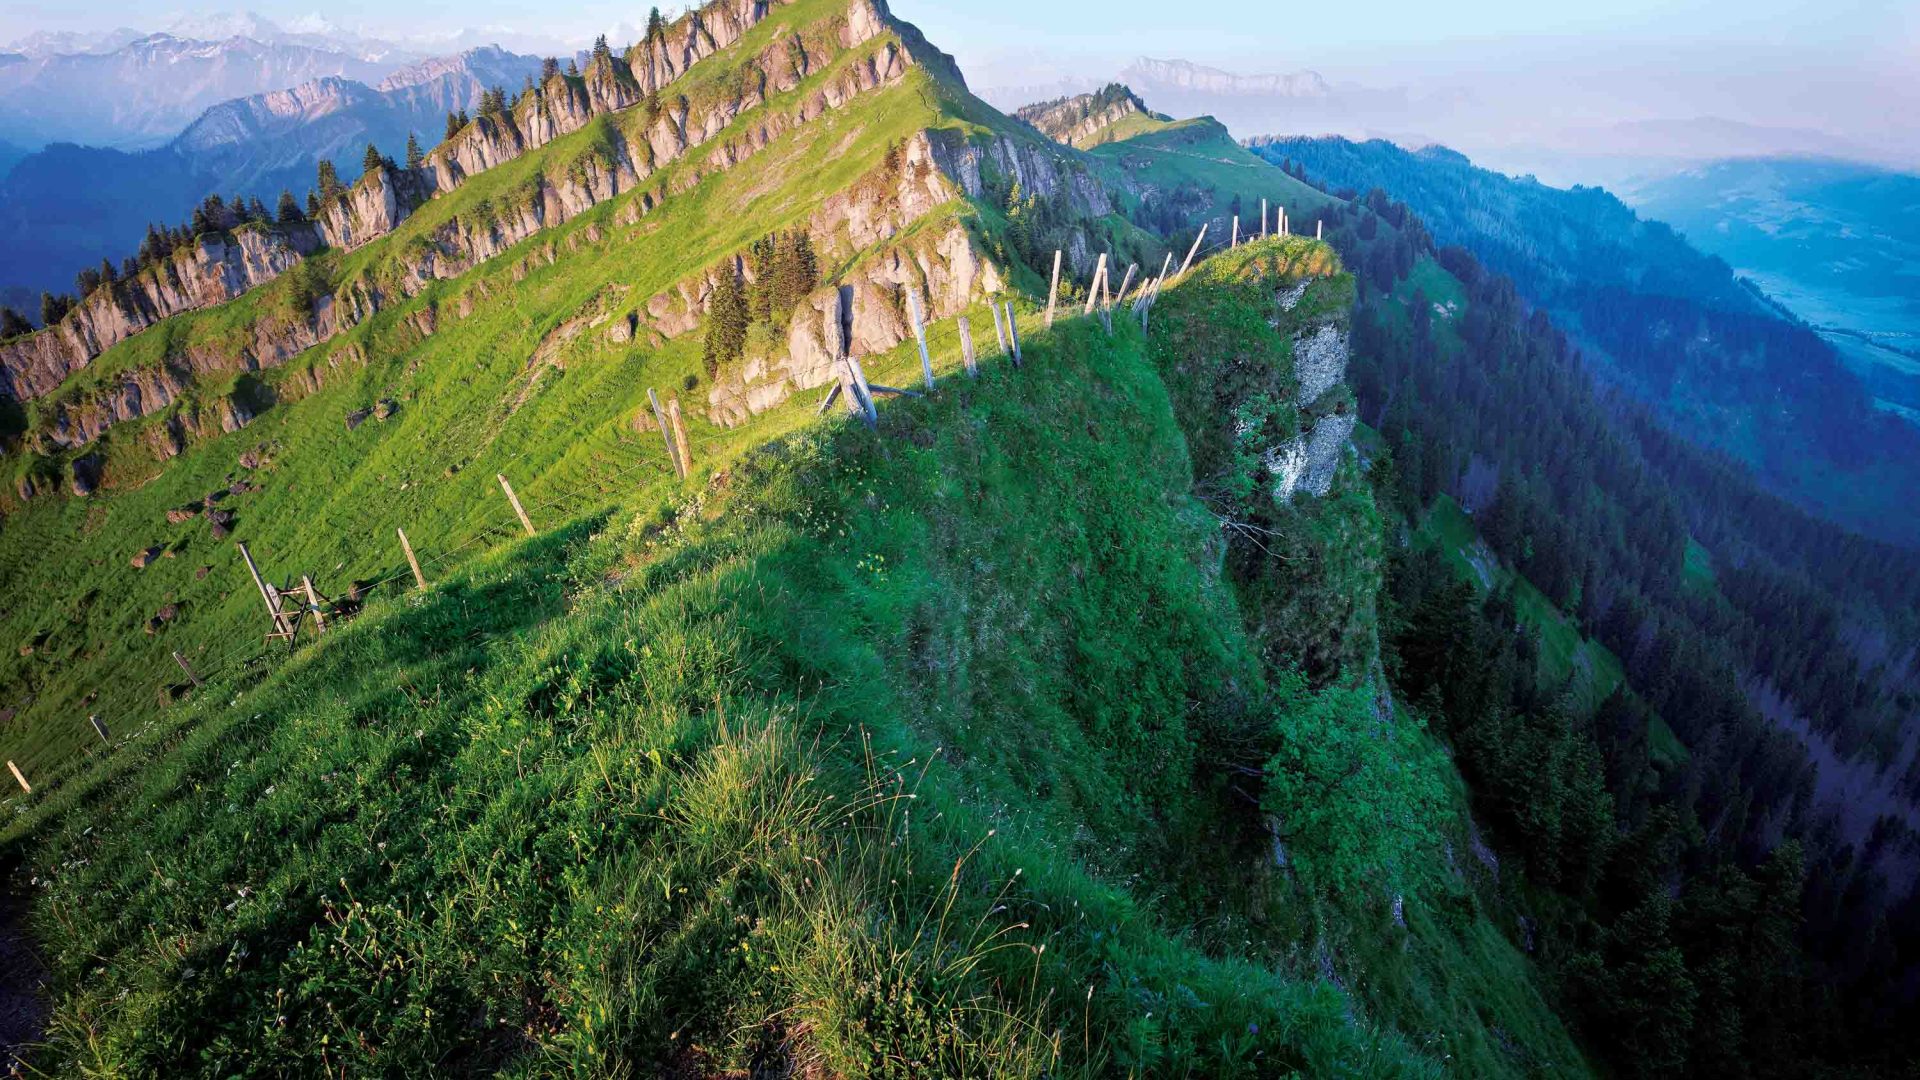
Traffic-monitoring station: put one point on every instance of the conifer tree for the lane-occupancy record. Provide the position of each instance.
(289, 210)
(51, 309)
(330, 186)
(601, 50)
(257, 210)
(727, 322)
(313, 205)
(453, 127)
(13, 324)
(548, 69)
(573, 69)
(370, 161)
(656, 27)
(415, 157)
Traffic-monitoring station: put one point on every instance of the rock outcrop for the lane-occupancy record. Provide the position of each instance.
(1083, 120)
(217, 268)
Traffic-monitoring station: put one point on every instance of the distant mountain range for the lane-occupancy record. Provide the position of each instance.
(143, 92)
(134, 89)
(67, 206)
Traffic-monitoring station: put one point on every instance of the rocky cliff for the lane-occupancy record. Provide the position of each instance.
(217, 268)
(638, 132)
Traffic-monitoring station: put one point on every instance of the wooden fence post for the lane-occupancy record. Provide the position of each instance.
(966, 346)
(1093, 286)
(680, 436)
(100, 729)
(1188, 261)
(313, 603)
(515, 500)
(267, 594)
(1013, 334)
(24, 786)
(1053, 290)
(1263, 219)
(1125, 284)
(182, 661)
(1318, 224)
(666, 434)
(920, 335)
(1236, 231)
(419, 579)
(999, 332)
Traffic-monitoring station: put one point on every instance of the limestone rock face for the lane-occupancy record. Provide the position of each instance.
(1319, 361)
(1309, 460)
(215, 269)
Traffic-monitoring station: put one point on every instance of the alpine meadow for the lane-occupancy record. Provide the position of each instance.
(736, 557)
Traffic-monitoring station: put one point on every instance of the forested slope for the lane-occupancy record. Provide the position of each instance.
(1720, 910)
(1718, 362)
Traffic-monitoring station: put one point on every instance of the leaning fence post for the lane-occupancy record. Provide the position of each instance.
(182, 661)
(680, 436)
(24, 786)
(1053, 290)
(1093, 286)
(267, 595)
(999, 332)
(1125, 284)
(966, 346)
(100, 729)
(862, 393)
(666, 435)
(920, 335)
(1013, 334)
(515, 500)
(1188, 261)
(419, 579)
(313, 603)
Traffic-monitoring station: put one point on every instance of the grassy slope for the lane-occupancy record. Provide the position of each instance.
(332, 497)
(603, 762)
(1166, 154)
(634, 792)
(578, 806)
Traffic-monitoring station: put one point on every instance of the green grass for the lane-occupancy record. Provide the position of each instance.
(705, 775)
(1201, 152)
(917, 752)
(587, 802)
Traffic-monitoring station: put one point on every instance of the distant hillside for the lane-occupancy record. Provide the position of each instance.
(67, 207)
(1838, 243)
(1674, 325)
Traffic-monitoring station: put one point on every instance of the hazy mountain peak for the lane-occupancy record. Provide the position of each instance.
(1186, 75)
